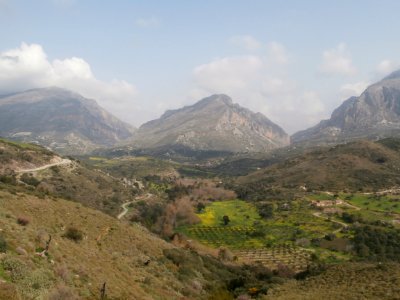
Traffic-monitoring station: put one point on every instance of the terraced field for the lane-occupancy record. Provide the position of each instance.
(286, 238)
(253, 239)
(232, 237)
(295, 258)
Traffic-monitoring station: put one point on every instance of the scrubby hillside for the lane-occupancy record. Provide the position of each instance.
(38, 170)
(16, 156)
(355, 166)
(134, 263)
(344, 281)
(88, 248)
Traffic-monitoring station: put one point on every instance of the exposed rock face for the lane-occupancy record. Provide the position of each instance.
(214, 123)
(375, 114)
(59, 119)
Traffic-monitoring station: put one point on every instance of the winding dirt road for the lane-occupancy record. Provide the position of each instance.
(125, 205)
(64, 161)
(344, 225)
(125, 209)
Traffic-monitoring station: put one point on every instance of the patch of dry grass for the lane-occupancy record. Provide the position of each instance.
(110, 251)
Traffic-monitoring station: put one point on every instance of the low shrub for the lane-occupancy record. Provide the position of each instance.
(17, 268)
(23, 221)
(73, 234)
(3, 244)
(36, 284)
(30, 180)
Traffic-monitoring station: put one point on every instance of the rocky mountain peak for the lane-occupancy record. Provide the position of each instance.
(393, 75)
(60, 119)
(213, 123)
(215, 99)
(374, 114)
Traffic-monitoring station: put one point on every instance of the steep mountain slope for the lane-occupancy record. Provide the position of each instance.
(60, 119)
(214, 123)
(361, 165)
(375, 114)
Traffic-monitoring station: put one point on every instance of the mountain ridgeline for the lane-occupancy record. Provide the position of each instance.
(214, 126)
(60, 119)
(214, 123)
(373, 115)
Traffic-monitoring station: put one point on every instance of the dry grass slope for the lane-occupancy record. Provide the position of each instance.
(110, 251)
(344, 282)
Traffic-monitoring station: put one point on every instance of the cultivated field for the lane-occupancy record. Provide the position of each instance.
(295, 258)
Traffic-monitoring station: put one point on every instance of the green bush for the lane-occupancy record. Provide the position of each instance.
(73, 234)
(8, 179)
(17, 268)
(3, 244)
(36, 284)
(30, 180)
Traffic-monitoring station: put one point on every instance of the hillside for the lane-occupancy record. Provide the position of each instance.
(59, 119)
(344, 281)
(214, 123)
(374, 114)
(134, 263)
(42, 172)
(88, 247)
(361, 165)
(15, 156)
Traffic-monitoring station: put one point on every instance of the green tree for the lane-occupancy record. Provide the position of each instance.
(226, 220)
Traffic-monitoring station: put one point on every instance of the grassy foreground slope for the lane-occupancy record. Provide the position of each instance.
(134, 263)
(109, 251)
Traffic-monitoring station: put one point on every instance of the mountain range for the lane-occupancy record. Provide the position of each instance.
(71, 124)
(61, 120)
(373, 115)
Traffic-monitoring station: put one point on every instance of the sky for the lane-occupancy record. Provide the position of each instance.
(294, 61)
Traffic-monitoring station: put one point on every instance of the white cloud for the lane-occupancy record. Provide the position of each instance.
(150, 22)
(247, 42)
(337, 61)
(353, 89)
(277, 53)
(385, 67)
(28, 67)
(261, 83)
(228, 73)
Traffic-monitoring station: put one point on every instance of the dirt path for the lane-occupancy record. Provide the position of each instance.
(64, 161)
(125, 209)
(125, 205)
(351, 205)
(344, 225)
